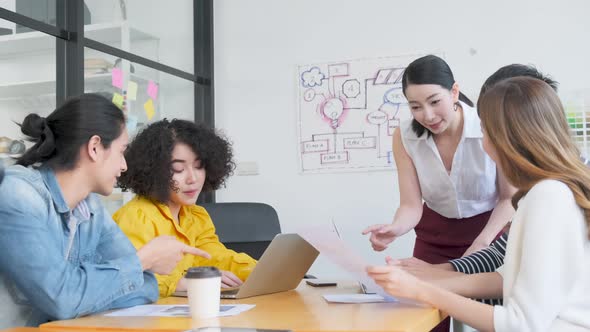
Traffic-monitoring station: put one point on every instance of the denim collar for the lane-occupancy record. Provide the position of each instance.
(56, 195)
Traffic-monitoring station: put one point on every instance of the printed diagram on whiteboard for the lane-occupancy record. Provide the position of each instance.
(348, 112)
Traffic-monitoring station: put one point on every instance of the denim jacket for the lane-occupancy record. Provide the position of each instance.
(59, 264)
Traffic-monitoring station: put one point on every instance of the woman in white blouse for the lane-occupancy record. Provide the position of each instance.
(545, 280)
(440, 160)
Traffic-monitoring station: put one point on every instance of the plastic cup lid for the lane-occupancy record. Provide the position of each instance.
(202, 272)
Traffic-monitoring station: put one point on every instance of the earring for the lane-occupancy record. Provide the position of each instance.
(456, 107)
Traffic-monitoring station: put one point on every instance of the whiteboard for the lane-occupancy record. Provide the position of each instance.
(348, 111)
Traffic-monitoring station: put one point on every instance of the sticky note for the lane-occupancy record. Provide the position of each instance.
(149, 109)
(152, 90)
(131, 90)
(118, 100)
(131, 123)
(117, 78)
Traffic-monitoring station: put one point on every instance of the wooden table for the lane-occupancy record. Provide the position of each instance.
(301, 310)
(36, 329)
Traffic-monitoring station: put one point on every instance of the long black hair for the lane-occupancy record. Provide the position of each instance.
(430, 69)
(58, 137)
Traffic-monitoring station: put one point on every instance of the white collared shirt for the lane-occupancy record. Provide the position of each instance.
(470, 189)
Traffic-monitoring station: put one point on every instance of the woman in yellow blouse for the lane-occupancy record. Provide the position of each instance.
(169, 164)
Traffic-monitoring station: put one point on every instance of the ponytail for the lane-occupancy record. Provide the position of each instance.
(59, 137)
(464, 99)
(39, 131)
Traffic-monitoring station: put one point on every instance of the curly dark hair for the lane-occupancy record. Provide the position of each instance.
(149, 158)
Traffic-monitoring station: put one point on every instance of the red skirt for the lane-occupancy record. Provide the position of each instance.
(439, 239)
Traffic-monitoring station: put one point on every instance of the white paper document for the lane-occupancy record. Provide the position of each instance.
(178, 310)
(330, 244)
(354, 298)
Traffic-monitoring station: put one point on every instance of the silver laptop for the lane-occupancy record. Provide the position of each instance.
(281, 268)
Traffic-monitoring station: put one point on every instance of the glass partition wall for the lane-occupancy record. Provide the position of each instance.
(152, 58)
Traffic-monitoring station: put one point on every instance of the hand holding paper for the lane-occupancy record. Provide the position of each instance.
(330, 244)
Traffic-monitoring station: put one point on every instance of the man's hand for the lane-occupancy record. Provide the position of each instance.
(162, 254)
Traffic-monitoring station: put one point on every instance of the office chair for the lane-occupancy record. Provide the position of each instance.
(244, 227)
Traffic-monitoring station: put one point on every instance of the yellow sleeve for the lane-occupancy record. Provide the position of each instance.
(223, 258)
(141, 229)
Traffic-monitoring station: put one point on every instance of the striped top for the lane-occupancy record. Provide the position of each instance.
(485, 260)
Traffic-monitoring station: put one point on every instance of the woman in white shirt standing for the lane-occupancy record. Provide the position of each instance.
(545, 280)
(440, 160)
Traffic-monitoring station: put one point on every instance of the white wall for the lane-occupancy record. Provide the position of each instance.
(259, 43)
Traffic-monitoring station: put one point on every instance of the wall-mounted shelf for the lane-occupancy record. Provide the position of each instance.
(30, 42)
(23, 90)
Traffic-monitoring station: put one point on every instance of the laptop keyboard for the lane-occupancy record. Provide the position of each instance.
(229, 294)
